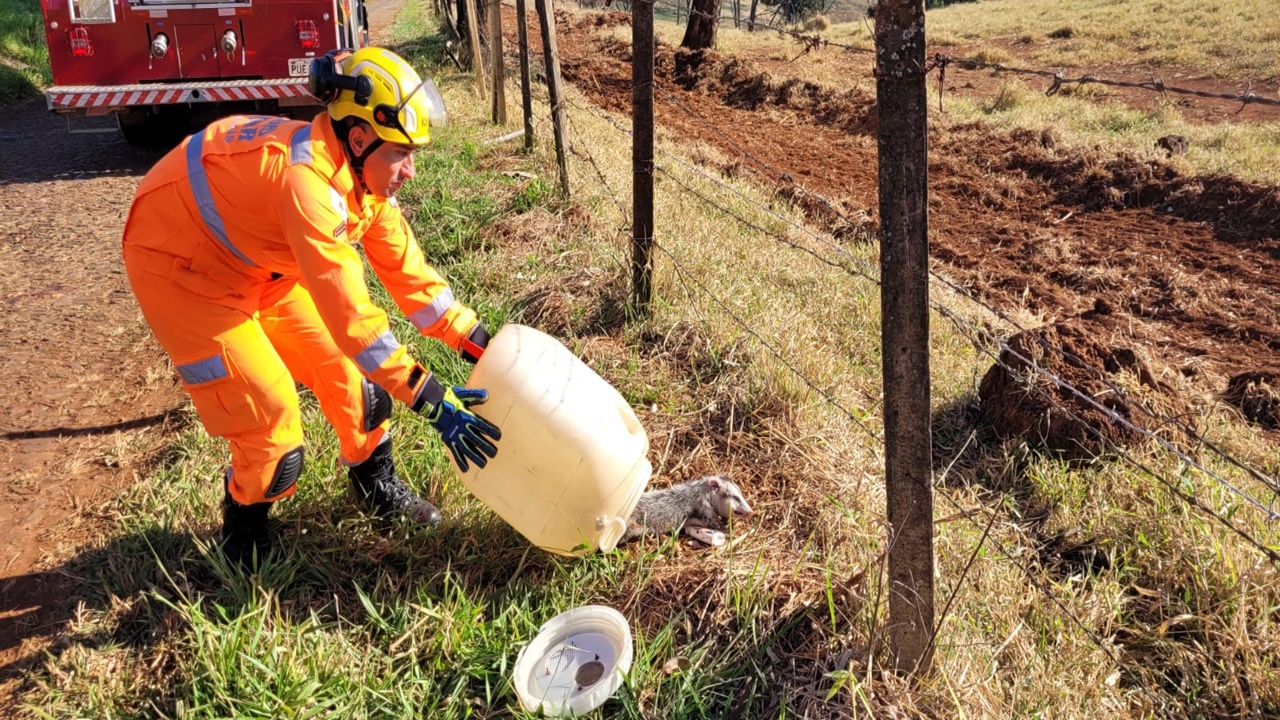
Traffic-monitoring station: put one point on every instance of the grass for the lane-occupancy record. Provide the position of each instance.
(1229, 40)
(24, 59)
(1242, 150)
(363, 620)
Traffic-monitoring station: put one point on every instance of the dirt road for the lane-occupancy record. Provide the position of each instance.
(89, 399)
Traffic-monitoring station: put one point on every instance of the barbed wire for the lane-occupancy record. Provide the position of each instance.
(775, 352)
(975, 334)
(1119, 391)
(965, 326)
(687, 276)
(590, 158)
(869, 274)
(942, 62)
(746, 327)
(1042, 586)
(1085, 397)
(1088, 399)
(1058, 382)
(963, 292)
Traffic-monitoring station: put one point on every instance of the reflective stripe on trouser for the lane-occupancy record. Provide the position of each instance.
(239, 368)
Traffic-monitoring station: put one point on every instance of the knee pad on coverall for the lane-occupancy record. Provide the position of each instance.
(377, 405)
(288, 470)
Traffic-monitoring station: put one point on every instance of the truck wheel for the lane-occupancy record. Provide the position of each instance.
(146, 129)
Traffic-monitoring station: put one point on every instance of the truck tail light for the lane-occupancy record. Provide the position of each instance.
(81, 45)
(160, 46)
(308, 37)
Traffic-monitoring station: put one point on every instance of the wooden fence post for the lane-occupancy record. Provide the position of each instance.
(904, 319)
(554, 87)
(641, 154)
(495, 62)
(526, 97)
(473, 36)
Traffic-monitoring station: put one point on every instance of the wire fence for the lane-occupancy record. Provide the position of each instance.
(1162, 418)
(825, 250)
(861, 268)
(688, 277)
(1058, 78)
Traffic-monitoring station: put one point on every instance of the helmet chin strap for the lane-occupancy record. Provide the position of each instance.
(343, 131)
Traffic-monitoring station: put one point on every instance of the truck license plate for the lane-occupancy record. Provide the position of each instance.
(298, 67)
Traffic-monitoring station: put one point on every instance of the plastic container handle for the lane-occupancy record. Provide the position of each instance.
(611, 531)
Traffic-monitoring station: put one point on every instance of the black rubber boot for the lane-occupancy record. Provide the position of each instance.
(245, 536)
(383, 492)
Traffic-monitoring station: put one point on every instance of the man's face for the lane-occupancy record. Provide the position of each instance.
(388, 168)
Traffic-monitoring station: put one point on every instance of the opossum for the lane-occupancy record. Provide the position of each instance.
(706, 502)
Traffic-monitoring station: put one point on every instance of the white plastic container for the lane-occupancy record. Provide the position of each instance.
(573, 459)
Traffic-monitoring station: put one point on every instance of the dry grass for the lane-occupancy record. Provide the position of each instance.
(1233, 40)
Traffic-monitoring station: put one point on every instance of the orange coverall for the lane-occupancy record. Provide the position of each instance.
(239, 248)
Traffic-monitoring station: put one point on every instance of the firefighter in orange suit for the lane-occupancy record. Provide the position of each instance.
(240, 249)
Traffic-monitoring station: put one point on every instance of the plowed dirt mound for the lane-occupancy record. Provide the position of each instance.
(1080, 405)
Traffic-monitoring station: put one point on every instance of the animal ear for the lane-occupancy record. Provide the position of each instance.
(713, 482)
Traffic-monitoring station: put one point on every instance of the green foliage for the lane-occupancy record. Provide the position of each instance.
(24, 59)
(796, 10)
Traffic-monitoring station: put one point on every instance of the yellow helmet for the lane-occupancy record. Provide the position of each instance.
(379, 87)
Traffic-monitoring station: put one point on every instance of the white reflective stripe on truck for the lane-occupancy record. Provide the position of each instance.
(85, 97)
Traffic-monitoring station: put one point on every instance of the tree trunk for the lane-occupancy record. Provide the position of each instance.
(704, 17)
(751, 19)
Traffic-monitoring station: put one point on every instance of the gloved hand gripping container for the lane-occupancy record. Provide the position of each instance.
(573, 459)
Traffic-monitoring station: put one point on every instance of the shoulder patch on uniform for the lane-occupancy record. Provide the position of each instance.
(342, 227)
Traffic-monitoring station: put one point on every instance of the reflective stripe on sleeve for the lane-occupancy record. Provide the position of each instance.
(203, 371)
(431, 314)
(199, 180)
(300, 146)
(377, 352)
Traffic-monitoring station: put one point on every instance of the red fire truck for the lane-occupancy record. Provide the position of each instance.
(162, 66)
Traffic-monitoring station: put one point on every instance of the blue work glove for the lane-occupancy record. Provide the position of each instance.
(467, 435)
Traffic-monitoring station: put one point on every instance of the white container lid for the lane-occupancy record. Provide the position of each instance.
(575, 662)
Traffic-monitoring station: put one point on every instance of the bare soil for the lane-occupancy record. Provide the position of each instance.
(1126, 256)
(88, 398)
